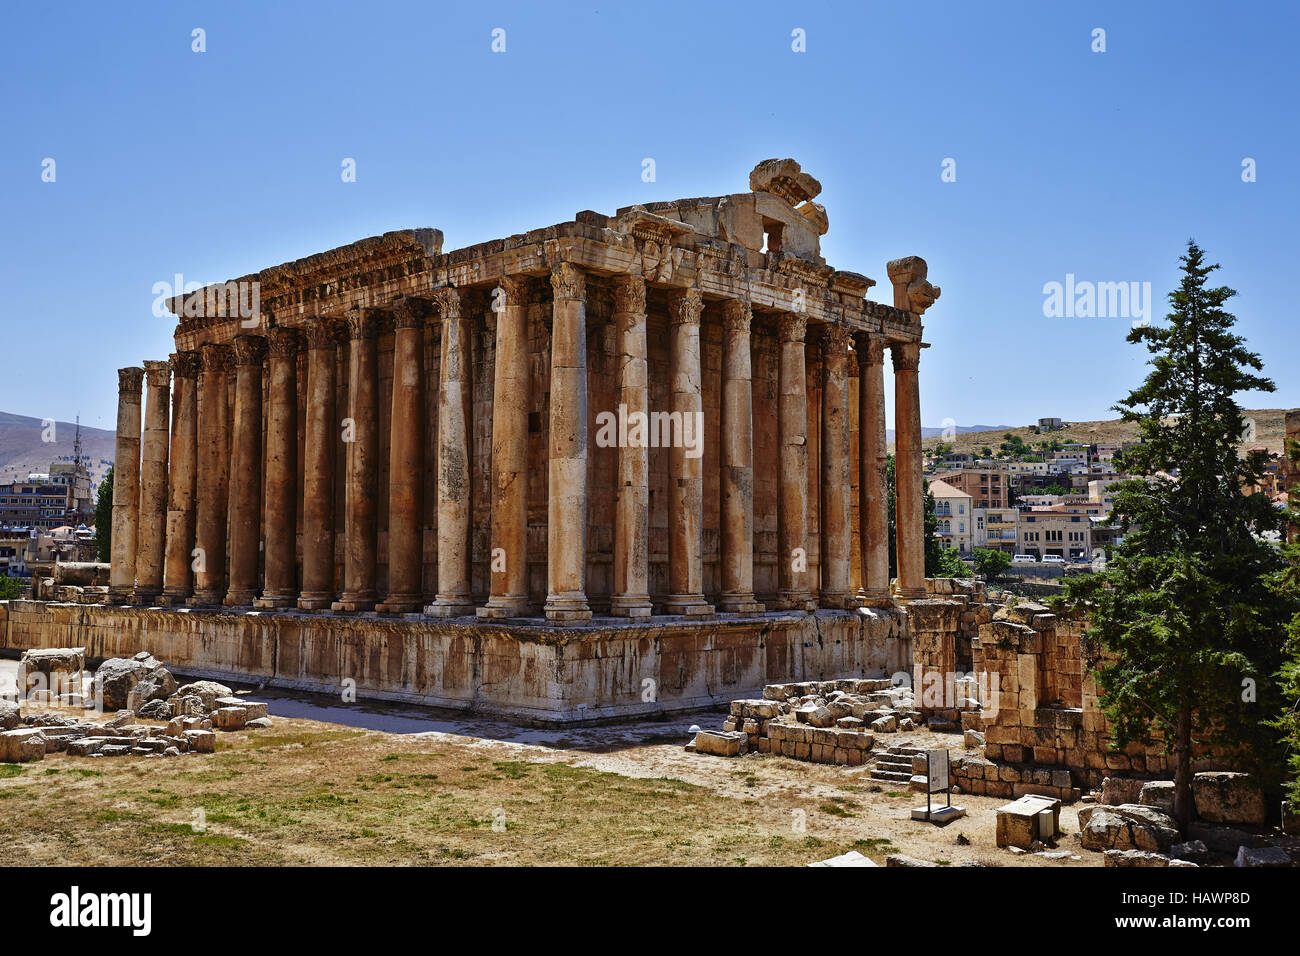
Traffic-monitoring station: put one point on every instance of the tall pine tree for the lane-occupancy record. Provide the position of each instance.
(104, 517)
(1192, 632)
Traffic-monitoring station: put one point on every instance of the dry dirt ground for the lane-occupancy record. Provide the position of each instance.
(331, 784)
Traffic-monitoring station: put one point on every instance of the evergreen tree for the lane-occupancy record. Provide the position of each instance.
(104, 517)
(1191, 631)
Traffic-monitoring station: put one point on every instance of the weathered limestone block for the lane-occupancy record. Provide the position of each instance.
(230, 718)
(201, 741)
(22, 745)
(1126, 827)
(721, 743)
(1224, 797)
(1158, 794)
(1134, 858)
(1262, 856)
(206, 690)
(1120, 790)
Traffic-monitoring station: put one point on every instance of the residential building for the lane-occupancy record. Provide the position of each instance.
(953, 507)
(1043, 531)
(996, 528)
(987, 486)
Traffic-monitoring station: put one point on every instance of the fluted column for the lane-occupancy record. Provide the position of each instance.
(631, 597)
(319, 443)
(792, 438)
(280, 582)
(873, 475)
(910, 506)
(126, 486)
(737, 461)
(151, 543)
(566, 505)
(178, 580)
(212, 482)
(406, 463)
(511, 399)
(361, 441)
(246, 472)
(685, 462)
(453, 597)
(836, 472)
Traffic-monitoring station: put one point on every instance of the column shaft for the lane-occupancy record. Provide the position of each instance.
(280, 584)
(151, 543)
(406, 463)
(836, 472)
(873, 476)
(631, 597)
(246, 472)
(178, 579)
(737, 461)
(511, 400)
(910, 498)
(321, 439)
(212, 481)
(566, 531)
(792, 428)
(126, 486)
(361, 440)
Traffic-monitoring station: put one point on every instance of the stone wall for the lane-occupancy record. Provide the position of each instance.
(532, 673)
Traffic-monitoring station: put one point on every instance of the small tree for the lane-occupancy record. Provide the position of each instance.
(10, 588)
(1189, 626)
(991, 563)
(104, 517)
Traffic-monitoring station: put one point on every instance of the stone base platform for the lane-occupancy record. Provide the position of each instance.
(531, 672)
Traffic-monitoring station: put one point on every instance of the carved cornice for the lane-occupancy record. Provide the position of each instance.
(629, 295)
(737, 316)
(568, 281)
(906, 356)
(685, 307)
(792, 327)
(249, 349)
(217, 358)
(447, 301)
(323, 333)
(185, 364)
(285, 342)
(130, 379)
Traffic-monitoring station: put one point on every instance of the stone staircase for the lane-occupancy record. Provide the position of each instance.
(894, 764)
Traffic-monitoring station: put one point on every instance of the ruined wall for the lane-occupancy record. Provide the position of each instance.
(534, 673)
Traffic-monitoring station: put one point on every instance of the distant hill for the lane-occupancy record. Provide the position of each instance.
(1270, 431)
(23, 449)
(927, 432)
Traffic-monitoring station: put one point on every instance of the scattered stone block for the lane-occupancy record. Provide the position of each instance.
(261, 723)
(1120, 790)
(972, 738)
(720, 743)
(201, 741)
(234, 718)
(903, 860)
(1262, 856)
(1158, 794)
(1224, 797)
(1193, 850)
(1027, 819)
(852, 858)
(22, 745)
(1133, 858)
(1126, 827)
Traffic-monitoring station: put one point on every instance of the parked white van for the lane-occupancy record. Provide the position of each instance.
(1053, 559)
(1023, 559)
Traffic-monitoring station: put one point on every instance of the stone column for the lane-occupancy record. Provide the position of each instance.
(126, 486)
(737, 461)
(246, 472)
(361, 441)
(453, 597)
(322, 437)
(685, 462)
(406, 463)
(792, 438)
(151, 542)
(511, 399)
(178, 580)
(566, 500)
(212, 484)
(910, 499)
(280, 583)
(631, 597)
(873, 475)
(836, 472)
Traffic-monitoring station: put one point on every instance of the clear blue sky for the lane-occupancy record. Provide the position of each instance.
(1068, 161)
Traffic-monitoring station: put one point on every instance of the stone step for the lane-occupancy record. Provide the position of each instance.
(885, 763)
(895, 776)
(906, 751)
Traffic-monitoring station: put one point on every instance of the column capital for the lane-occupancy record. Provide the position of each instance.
(323, 333)
(793, 327)
(362, 323)
(284, 342)
(737, 315)
(906, 356)
(158, 373)
(568, 281)
(217, 358)
(686, 306)
(447, 301)
(249, 349)
(408, 313)
(870, 349)
(629, 295)
(514, 290)
(835, 339)
(185, 364)
(130, 379)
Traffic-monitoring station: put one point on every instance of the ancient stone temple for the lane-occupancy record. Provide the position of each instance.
(642, 446)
